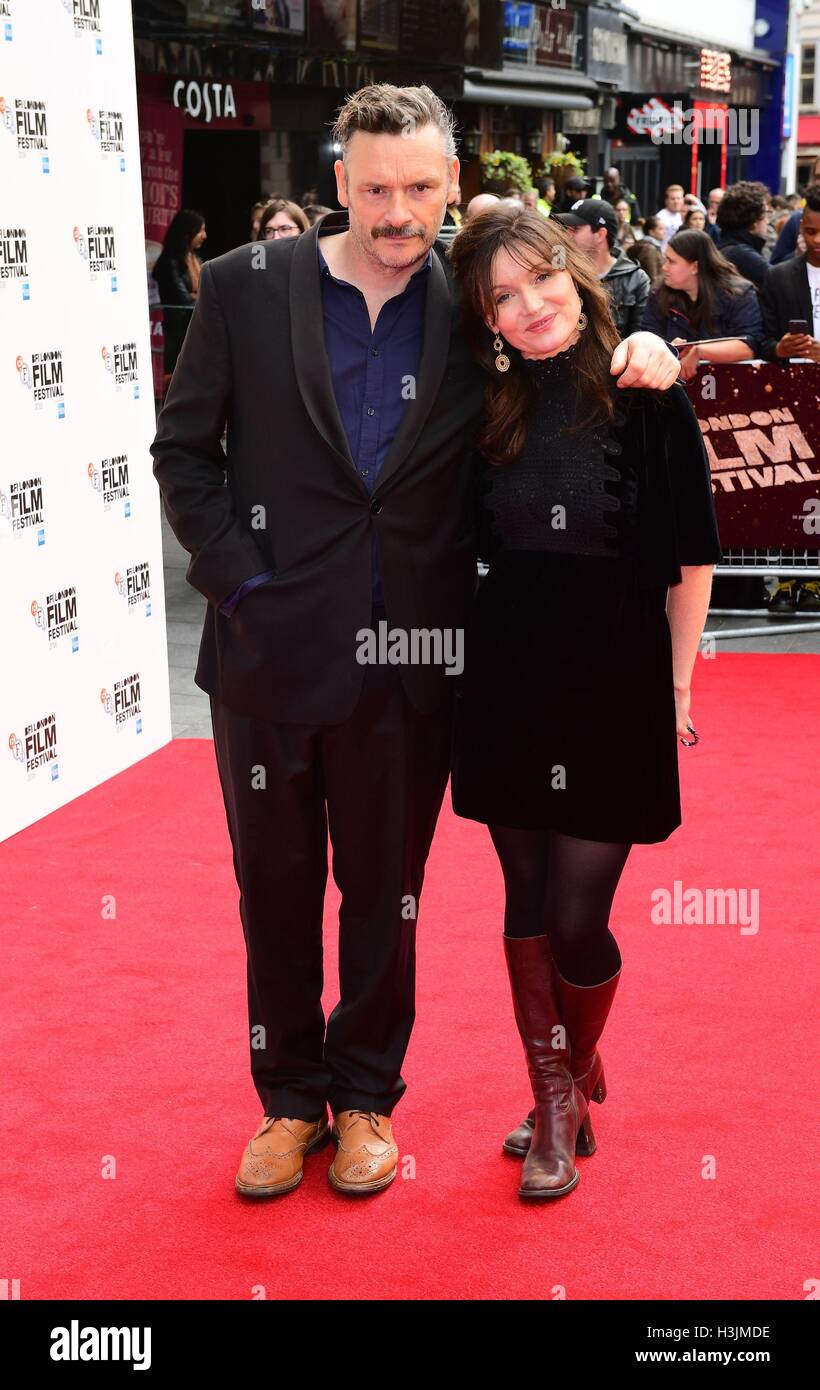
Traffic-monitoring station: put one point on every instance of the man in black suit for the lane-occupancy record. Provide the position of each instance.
(791, 290)
(350, 400)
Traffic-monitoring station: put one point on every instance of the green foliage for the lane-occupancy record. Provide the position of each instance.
(561, 165)
(504, 167)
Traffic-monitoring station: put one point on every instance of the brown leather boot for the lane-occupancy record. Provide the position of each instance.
(367, 1155)
(560, 1108)
(584, 1011)
(272, 1161)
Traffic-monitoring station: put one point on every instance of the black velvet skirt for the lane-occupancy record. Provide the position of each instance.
(565, 710)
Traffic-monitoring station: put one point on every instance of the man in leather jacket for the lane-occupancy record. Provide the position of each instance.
(594, 226)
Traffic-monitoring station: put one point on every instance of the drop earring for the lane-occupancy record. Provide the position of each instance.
(582, 321)
(502, 362)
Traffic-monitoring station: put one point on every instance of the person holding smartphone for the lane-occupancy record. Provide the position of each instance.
(790, 298)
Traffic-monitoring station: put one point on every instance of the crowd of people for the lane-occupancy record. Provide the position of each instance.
(738, 277)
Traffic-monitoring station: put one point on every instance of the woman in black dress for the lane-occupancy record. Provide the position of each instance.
(598, 524)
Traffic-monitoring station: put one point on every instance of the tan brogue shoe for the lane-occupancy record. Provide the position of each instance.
(367, 1155)
(272, 1162)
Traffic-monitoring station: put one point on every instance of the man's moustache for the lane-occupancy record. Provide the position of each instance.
(398, 231)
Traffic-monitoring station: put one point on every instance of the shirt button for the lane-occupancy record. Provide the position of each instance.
(370, 410)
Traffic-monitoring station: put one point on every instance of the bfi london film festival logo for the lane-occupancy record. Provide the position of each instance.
(109, 478)
(42, 376)
(134, 585)
(57, 619)
(766, 448)
(122, 365)
(22, 513)
(37, 750)
(122, 703)
(98, 248)
(107, 128)
(14, 271)
(24, 120)
(6, 21)
(85, 19)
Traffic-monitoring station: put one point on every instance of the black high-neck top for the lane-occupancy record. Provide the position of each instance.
(564, 492)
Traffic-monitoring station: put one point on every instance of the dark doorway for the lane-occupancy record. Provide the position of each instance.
(220, 179)
(640, 172)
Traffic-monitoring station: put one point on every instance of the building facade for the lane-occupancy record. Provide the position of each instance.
(237, 97)
(807, 85)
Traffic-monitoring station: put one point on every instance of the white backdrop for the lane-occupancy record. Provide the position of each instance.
(84, 685)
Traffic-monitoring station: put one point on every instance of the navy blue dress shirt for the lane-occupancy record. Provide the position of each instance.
(374, 373)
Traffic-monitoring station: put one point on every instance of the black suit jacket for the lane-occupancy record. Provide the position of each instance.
(784, 295)
(286, 494)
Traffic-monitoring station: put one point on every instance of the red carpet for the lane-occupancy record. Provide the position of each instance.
(124, 1041)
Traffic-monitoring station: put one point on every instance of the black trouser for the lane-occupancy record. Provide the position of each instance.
(376, 782)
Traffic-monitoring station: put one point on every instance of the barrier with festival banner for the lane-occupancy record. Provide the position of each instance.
(761, 428)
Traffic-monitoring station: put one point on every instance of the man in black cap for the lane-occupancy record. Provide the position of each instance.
(573, 189)
(594, 227)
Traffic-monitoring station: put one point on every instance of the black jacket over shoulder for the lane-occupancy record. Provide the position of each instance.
(286, 494)
(663, 464)
(744, 250)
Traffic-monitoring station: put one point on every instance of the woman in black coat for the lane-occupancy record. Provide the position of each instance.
(595, 501)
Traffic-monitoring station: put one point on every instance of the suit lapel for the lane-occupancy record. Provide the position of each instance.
(307, 336)
(438, 311)
(313, 368)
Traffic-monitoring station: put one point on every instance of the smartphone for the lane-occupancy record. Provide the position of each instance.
(798, 326)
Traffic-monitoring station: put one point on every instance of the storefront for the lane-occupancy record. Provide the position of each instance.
(544, 72)
(808, 149)
(689, 115)
(200, 149)
(236, 100)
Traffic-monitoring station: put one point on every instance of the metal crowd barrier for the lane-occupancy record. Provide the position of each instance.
(762, 564)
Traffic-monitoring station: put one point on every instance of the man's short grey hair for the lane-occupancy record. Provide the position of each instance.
(382, 109)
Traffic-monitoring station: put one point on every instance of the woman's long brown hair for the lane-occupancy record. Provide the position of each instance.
(534, 241)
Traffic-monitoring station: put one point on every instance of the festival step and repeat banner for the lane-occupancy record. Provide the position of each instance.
(84, 691)
(761, 427)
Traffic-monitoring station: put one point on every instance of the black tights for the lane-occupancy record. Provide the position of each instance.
(563, 887)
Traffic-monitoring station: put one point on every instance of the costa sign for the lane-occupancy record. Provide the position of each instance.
(205, 101)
